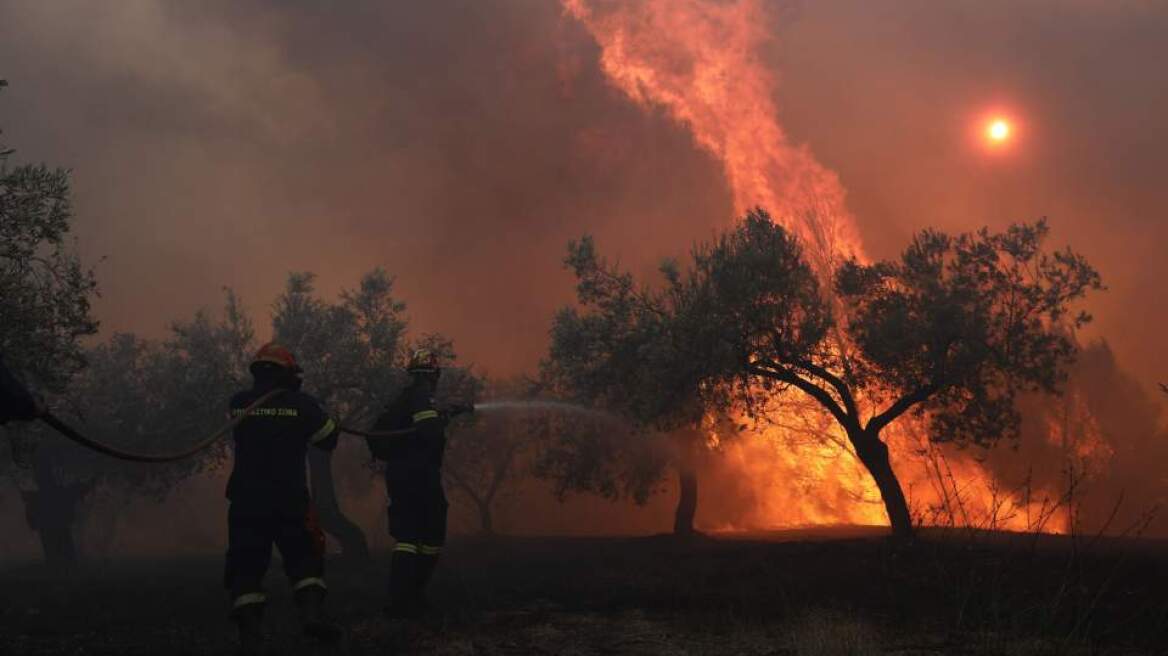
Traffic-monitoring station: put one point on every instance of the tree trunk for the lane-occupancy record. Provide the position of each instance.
(487, 524)
(873, 452)
(52, 510)
(687, 479)
(687, 501)
(328, 507)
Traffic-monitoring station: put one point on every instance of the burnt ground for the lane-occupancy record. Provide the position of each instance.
(807, 593)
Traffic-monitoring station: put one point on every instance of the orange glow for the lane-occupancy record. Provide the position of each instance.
(804, 473)
(998, 130)
(699, 62)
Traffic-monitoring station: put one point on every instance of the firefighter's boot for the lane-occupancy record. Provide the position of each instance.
(427, 563)
(403, 578)
(250, 620)
(310, 604)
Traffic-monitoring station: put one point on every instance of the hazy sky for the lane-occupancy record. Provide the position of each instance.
(461, 144)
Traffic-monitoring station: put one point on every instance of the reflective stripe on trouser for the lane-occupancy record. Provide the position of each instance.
(309, 582)
(430, 549)
(248, 599)
(251, 533)
(423, 415)
(406, 547)
(417, 506)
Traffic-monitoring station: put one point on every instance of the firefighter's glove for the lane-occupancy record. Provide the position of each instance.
(460, 409)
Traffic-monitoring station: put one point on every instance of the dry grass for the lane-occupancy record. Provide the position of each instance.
(824, 633)
(645, 597)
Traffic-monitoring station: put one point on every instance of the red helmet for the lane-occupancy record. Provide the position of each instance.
(274, 353)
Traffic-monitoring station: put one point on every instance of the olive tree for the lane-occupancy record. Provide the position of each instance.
(349, 349)
(354, 350)
(952, 331)
(624, 349)
(45, 294)
(138, 395)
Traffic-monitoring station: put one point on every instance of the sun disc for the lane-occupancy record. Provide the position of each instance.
(998, 130)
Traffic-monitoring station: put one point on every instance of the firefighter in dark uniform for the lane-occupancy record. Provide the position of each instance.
(16, 404)
(269, 497)
(413, 481)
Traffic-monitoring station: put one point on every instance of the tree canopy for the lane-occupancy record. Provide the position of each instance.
(953, 330)
(959, 326)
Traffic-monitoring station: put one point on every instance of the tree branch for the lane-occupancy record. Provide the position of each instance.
(815, 392)
(901, 406)
(835, 381)
(822, 373)
(500, 472)
(461, 483)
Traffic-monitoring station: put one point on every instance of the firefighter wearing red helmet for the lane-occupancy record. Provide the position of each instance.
(269, 497)
(413, 481)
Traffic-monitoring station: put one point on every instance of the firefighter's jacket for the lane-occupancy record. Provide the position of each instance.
(271, 445)
(15, 401)
(422, 449)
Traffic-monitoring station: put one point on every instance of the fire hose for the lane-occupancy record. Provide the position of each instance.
(453, 411)
(74, 435)
(69, 432)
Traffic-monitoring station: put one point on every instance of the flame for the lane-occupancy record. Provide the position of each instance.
(699, 61)
(804, 473)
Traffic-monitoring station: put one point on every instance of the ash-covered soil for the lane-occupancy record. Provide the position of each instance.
(793, 593)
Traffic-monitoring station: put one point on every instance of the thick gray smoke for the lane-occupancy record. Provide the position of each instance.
(461, 144)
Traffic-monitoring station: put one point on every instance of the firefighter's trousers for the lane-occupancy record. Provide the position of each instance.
(252, 529)
(417, 508)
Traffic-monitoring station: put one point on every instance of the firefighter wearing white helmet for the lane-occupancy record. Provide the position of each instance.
(413, 481)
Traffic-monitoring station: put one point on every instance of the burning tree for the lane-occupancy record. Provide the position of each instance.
(953, 331)
(1096, 443)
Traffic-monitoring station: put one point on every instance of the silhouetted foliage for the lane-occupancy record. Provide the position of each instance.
(350, 349)
(625, 349)
(488, 454)
(598, 454)
(961, 325)
(354, 351)
(954, 331)
(140, 395)
(45, 290)
(45, 293)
